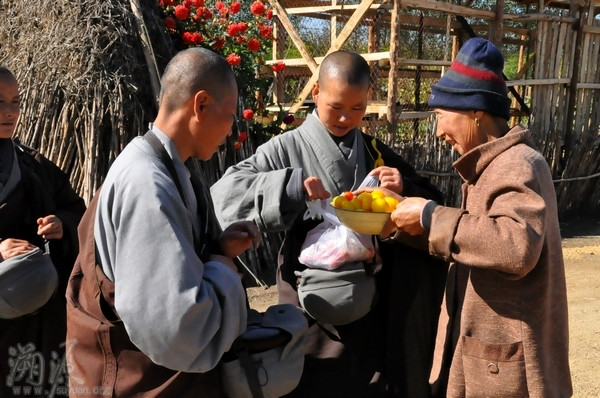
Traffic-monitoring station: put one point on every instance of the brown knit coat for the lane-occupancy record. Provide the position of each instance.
(503, 329)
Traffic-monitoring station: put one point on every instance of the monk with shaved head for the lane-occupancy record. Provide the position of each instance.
(373, 321)
(155, 298)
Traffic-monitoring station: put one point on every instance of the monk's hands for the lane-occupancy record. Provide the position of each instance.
(50, 227)
(389, 178)
(313, 186)
(239, 237)
(13, 247)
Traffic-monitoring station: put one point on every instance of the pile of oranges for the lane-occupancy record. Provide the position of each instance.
(375, 201)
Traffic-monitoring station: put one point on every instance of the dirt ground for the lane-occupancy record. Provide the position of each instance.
(581, 251)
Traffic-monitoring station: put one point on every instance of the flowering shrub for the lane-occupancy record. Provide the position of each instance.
(241, 31)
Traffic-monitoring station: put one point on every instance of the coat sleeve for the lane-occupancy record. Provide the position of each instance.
(264, 189)
(181, 312)
(508, 234)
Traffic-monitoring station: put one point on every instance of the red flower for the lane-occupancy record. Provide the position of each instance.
(219, 5)
(187, 3)
(254, 45)
(182, 12)
(242, 136)
(224, 11)
(266, 31)
(233, 29)
(197, 38)
(269, 15)
(278, 67)
(219, 43)
(235, 7)
(204, 13)
(170, 23)
(197, 3)
(243, 26)
(257, 8)
(248, 114)
(237, 145)
(241, 39)
(188, 38)
(166, 3)
(233, 59)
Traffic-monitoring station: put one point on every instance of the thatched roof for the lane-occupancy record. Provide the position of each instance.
(85, 86)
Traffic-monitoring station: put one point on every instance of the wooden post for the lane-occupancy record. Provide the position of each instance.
(278, 53)
(393, 74)
(496, 26)
(333, 24)
(147, 47)
(571, 103)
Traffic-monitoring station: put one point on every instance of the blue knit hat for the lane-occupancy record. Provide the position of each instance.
(474, 81)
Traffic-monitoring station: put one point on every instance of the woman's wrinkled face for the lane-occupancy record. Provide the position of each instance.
(9, 105)
(459, 129)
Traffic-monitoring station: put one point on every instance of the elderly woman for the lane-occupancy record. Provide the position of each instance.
(503, 330)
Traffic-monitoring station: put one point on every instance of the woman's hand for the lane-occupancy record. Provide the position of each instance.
(239, 237)
(389, 178)
(50, 227)
(13, 247)
(406, 217)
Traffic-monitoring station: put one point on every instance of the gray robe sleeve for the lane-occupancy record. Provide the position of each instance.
(182, 313)
(264, 188)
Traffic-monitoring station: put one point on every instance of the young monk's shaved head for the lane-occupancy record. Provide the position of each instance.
(349, 67)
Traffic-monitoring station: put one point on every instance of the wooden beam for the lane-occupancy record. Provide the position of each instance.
(296, 39)
(341, 8)
(370, 57)
(537, 82)
(539, 17)
(339, 41)
(433, 5)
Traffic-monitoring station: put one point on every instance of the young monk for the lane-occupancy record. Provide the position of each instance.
(388, 351)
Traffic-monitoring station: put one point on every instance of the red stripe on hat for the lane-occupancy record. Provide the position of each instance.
(475, 73)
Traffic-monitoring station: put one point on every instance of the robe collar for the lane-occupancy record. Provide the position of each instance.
(342, 174)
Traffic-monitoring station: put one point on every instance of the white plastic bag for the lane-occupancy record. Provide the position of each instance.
(331, 244)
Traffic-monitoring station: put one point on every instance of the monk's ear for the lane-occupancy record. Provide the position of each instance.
(315, 91)
(200, 101)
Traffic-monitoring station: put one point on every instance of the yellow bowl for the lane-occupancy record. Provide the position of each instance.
(363, 222)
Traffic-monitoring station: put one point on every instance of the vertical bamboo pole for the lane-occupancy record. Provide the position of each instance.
(373, 67)
(393, 74)
(520, 63)
(333, 25)
(572, 96)
(278, 53)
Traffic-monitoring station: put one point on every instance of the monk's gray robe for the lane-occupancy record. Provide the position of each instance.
(373, 356)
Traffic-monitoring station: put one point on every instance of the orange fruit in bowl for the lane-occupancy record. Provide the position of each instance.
(377, 194)
(392, 202)
(379, 205)
(366, 203)
(337, 201)
(348, 205)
